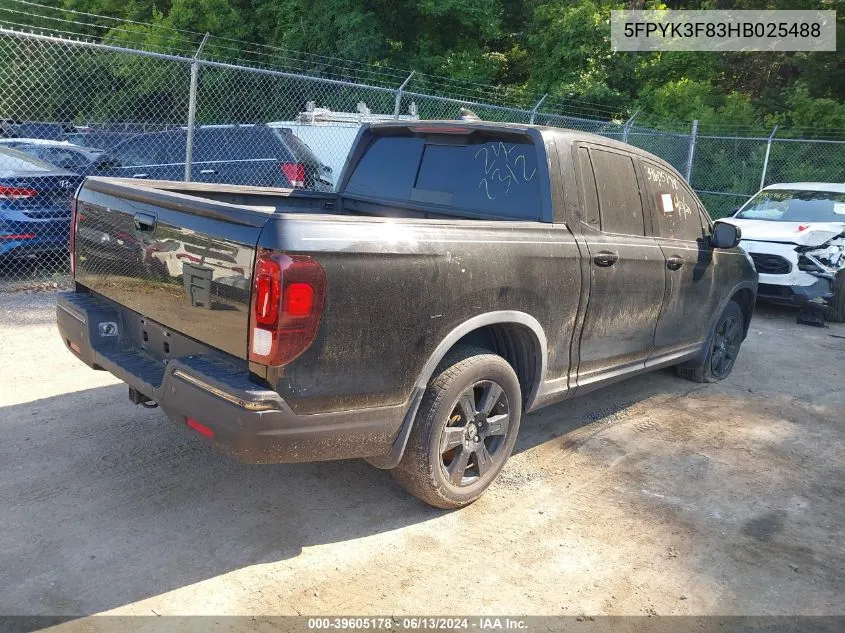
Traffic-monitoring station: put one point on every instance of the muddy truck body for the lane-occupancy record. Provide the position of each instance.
(461, 275)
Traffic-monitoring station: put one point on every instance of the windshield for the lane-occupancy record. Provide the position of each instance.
(786, 205)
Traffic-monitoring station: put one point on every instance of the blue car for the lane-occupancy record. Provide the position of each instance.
(35, 201)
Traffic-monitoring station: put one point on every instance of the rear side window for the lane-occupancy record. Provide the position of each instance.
(484, 176)
(157, 148)
(620, 207)
(13, 163)
(674, 206)
(253, 143)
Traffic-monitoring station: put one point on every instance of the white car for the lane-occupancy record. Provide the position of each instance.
(795, 233)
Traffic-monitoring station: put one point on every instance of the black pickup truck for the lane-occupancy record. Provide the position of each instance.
(463, 274)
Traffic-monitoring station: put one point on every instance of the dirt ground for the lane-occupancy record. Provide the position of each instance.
(654, 496)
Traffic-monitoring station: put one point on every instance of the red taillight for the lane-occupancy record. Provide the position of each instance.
(295, 173)
(299, 299)
(16, 193)
(268, 291)
(8, 237)
(288, 293)
(72, 242)
(199, 427)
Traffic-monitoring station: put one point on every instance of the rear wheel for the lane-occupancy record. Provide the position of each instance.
(722, 348)
(464, 431)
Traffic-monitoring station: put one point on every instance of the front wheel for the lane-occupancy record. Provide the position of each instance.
(464, 431)
(722, 348)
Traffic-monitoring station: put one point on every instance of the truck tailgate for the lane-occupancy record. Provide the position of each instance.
(183, 262)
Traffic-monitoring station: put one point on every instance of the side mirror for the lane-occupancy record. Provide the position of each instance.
(725, 235)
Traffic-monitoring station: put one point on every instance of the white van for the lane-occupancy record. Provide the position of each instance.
(330, 134)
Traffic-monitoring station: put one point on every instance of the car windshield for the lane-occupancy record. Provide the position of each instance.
(787, 205)
(13, 162)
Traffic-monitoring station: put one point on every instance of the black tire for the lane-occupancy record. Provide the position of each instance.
(836, 307)
(452, 468)
(722, 348)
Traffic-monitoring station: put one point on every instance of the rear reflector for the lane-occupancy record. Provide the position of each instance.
(199, 427)
(288, 293)
(295, 173)
(18, 236)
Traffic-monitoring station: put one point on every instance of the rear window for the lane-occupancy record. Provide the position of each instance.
(13, 162)
(252, 143)
(487, 176)
(302, 151)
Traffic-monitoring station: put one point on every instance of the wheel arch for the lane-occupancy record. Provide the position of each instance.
(745, 298)
(516, 336)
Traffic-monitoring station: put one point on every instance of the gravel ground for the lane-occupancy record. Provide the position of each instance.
(654, 496)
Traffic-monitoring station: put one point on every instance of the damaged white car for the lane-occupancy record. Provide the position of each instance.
(795, 233)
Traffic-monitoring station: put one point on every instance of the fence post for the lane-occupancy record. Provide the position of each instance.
(192, 109)
(627, 126)
(766, 160)
(537, 107)
(398, 104)
(691, 155)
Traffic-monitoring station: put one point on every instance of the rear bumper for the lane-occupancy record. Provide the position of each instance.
(26, 239)
(247, 420)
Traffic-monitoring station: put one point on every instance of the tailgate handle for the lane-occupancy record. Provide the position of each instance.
(605, 259)
(145, 223)
(674, 262)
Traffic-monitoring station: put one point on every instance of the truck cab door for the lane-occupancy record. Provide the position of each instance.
(626, 269)
(682, 232)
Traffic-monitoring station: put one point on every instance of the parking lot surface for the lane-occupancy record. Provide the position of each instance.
(653, 496)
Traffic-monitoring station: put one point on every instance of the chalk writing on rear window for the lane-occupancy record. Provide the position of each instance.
(504, 168)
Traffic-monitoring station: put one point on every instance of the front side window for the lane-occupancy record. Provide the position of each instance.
(789, 205)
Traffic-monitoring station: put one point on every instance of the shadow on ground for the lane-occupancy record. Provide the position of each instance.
(106, 504)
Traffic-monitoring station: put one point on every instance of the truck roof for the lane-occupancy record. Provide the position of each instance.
(566, 134)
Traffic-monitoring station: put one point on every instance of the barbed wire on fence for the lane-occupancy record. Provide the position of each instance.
(95, 106)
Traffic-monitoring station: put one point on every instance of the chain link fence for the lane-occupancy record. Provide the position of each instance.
(74, 108)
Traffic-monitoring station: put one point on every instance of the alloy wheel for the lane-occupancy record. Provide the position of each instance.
(471, 444)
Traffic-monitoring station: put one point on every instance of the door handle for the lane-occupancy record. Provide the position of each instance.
(606, 258)
(140, 175)
(208, 171)
(145, 223)
(674, 262)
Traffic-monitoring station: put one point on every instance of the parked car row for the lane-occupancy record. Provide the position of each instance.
(257, 155)
(34, 204)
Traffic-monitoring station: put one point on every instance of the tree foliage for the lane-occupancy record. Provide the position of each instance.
(527, 48)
